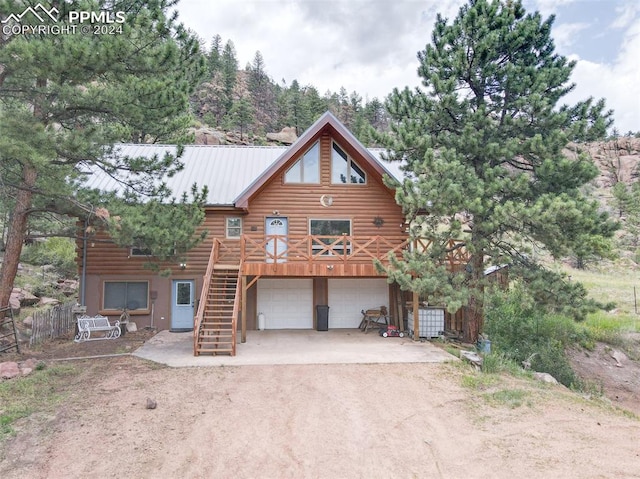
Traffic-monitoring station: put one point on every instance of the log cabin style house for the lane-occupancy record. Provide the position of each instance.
(289, 229)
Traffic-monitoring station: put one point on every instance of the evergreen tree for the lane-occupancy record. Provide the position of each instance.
(241, 116)
(214, 56)
(66, 99)
(626, 199)
(296, 113)
(229, 71)
(314, 104)
(482, 143)
(262, 93)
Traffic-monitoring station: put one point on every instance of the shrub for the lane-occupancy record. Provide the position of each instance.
(521, 332)
(57, 252)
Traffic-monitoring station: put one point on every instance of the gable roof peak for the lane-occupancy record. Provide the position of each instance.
(327, 119)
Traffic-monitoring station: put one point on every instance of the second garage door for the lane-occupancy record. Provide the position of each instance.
(347, 297)
(286, 303)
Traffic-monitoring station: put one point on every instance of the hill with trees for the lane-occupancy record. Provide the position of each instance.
(249, 102)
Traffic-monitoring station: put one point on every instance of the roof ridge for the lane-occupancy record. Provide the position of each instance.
(169, 145)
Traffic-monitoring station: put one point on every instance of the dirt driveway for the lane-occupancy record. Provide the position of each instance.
(319, 421)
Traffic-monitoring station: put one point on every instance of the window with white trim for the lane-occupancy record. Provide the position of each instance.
(307, 168)
(343, 169)
(131, 295)
(233, 227)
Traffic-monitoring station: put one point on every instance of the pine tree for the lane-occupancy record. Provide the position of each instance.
(241, 116)
(482, 141)
(214, 56)
(66, 99)
(229, 70)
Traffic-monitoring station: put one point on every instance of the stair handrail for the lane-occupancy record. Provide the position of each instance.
(206, 284)
(236, 310)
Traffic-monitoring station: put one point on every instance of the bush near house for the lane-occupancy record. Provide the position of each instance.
(522, 333)
(57, 252)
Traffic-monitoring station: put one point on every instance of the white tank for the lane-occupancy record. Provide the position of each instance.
(261, 321)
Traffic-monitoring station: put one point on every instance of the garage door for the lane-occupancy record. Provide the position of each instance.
(286, 303)
(347, 297)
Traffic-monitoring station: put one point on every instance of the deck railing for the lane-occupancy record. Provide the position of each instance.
(336, 249)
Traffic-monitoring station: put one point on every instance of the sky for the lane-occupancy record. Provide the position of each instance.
(370, 46)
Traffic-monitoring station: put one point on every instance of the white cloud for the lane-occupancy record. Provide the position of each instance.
(617, 82)
(627, 13)
(548, 7)
(370, 46)
(566, 34)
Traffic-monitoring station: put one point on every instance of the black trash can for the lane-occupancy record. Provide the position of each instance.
(322, 317)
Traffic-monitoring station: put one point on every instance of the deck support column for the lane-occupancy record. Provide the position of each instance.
(416, 316)
(243, 306)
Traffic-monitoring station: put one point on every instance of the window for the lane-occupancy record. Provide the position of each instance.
(125, 294)
(183, 293)
(234, 227)
(343, 169)
(307, 168)
(329, 232)
(138, 248)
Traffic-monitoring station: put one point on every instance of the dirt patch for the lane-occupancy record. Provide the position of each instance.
(612, 372)
(65, 347)
(378, 421)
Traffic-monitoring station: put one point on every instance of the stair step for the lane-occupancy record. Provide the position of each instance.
(216, 334)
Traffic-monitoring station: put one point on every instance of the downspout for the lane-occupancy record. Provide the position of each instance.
(83, 278)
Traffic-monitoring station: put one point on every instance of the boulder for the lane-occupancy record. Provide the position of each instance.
(48, 301)
(14, 303)
(286, 136)
(28, 322)
(25, 297)
(545, 378)
(9, 370)
(30, 363)
(68, 287)
(209, 136)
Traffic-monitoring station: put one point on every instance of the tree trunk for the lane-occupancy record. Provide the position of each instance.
(16, 235)
(473, 324)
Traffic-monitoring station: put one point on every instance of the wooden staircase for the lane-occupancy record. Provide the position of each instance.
(217, 328)
(215, 324)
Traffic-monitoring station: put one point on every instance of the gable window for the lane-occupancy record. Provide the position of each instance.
(330, 232)
(234, 227)
(119, 295)
(343, 169)
(307, 168)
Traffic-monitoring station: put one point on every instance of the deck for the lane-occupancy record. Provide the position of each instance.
(315, 255)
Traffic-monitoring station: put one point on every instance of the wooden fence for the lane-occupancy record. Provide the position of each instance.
(52, 323)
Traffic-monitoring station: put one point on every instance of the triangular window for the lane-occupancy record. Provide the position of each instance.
(343, 169)
(307, 168)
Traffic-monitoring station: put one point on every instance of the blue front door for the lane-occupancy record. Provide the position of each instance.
(182, 304)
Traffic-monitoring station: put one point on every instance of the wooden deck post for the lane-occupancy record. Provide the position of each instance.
(243, 304)
(416, 317)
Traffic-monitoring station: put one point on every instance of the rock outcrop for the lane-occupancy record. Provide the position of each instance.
(287, 136)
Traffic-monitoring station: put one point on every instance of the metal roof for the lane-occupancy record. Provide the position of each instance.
(227, 171)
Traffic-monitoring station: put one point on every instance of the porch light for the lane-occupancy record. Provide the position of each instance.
(183, 265)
